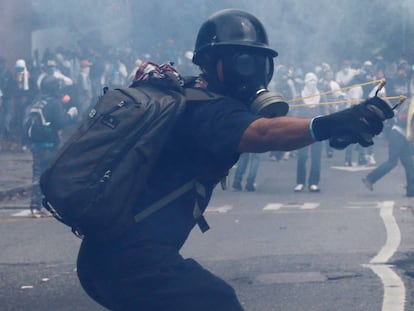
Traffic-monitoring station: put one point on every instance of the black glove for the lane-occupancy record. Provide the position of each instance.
(358, 124)
(343, 142)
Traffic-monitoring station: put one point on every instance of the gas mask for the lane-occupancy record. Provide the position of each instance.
(246, 75)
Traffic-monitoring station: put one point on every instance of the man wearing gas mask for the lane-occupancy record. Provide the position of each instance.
(145, 270)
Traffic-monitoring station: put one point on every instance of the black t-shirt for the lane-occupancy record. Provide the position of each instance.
(203, 145)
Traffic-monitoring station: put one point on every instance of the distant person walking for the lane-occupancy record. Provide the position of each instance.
(311, 107)
(250, 161)
(399, 148)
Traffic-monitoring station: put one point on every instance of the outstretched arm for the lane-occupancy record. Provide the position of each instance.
(282, 134)
(358, 124)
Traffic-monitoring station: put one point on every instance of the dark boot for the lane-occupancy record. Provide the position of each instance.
(250, 187)
(410, 191)
(237, 185)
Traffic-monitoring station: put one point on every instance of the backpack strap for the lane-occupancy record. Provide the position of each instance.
(173, 195)
(191, 94)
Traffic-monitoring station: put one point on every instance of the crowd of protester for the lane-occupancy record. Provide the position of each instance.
(82, 76)
(310, 89)
(325, 88)
(340, 85)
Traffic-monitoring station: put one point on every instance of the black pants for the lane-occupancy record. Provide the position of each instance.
(150, 278)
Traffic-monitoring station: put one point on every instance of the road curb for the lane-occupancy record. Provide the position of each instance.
(14, 206)
(7, 196)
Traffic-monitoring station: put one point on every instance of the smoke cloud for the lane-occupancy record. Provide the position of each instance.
(301, 31)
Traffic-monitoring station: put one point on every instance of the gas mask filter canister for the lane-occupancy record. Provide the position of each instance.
(269, 104)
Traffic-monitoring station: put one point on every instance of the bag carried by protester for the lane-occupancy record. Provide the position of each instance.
(101, 170)
(37, 129)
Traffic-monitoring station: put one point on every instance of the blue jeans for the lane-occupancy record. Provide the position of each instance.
(315, 151)
(42, 156)
(361, 154)
(250, 160)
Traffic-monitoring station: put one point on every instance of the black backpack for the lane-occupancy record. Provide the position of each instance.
(37, 128)
(103, 167)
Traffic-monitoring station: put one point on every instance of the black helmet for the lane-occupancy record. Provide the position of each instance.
(231, 27)
(49, 85)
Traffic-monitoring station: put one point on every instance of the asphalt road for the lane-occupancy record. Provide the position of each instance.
(343, 249)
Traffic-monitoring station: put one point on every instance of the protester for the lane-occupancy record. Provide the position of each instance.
(5, 80)
(22, 90)
(331, 93)
(399, 149)
(311, 107)
(44, 119)
(248, 162)
(51, 69)
(284, 82)
(370, 92)
(115, 74)
(84, 88)
(144, 268)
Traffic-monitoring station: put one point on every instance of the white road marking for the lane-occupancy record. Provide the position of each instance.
(310, 205)
(360, 207)
(363, 204)
(23, 213)
(393, 234)
(26, 286)
(278, 206)
(219, 209)
(273, 207)
(394, 289)
(353, 168)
